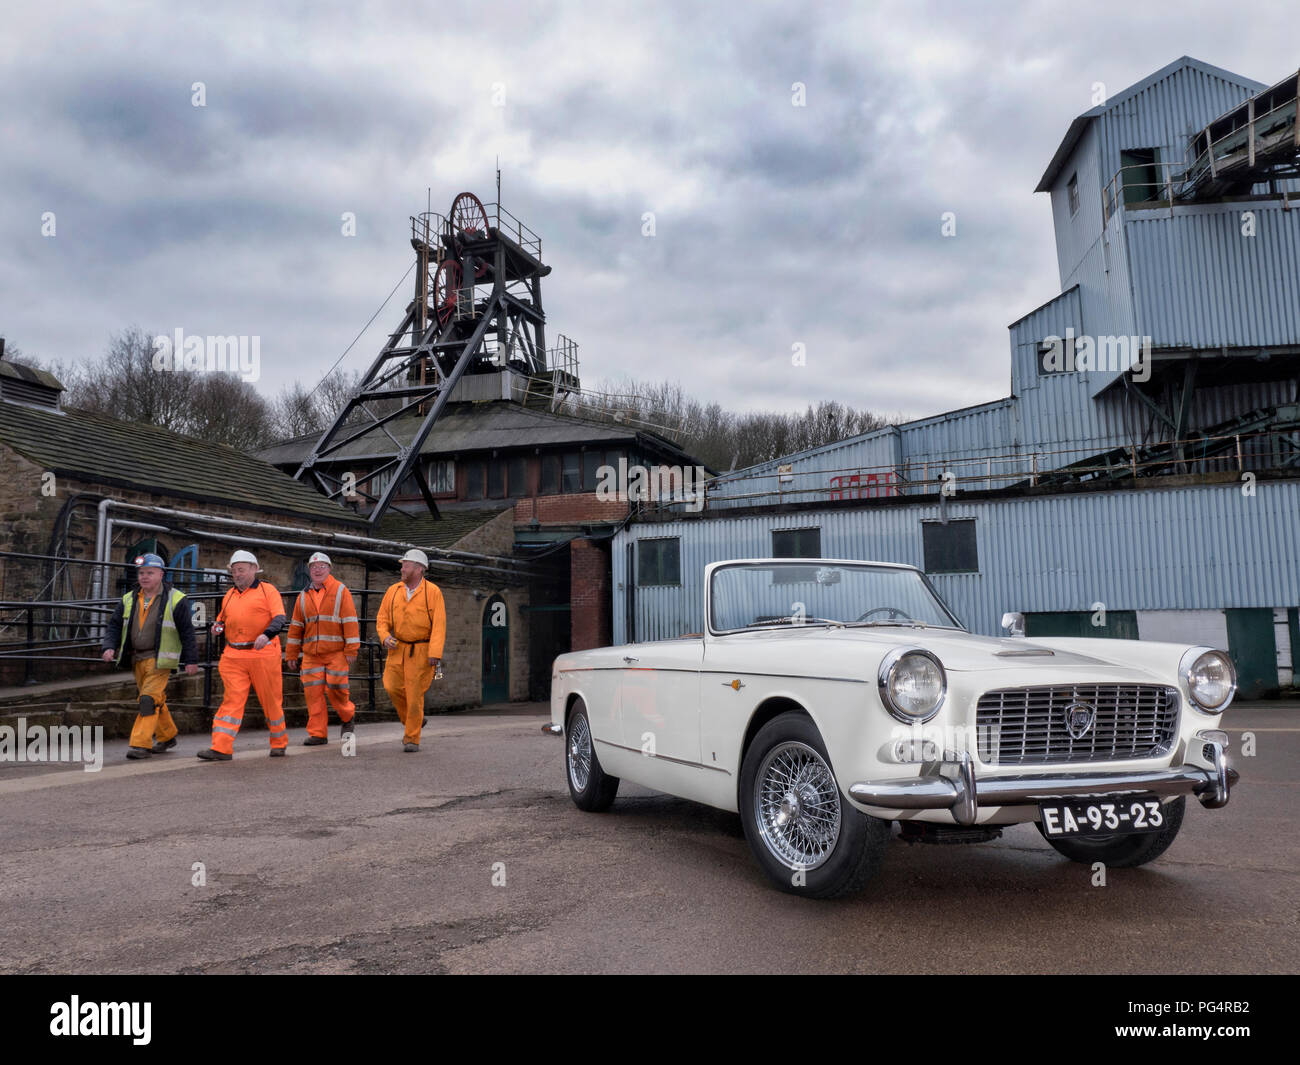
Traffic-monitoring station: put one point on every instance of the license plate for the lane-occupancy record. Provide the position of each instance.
(1096, 817)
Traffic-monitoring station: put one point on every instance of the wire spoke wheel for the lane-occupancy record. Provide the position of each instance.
(579, 759)
(797, 805)
(446, 289)
(468, 218)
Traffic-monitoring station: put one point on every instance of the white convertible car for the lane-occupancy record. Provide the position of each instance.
(826, 699)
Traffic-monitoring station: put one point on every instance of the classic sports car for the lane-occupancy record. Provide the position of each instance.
(826, 699)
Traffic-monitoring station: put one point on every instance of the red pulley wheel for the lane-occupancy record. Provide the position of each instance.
(469, 221)
(446, 286)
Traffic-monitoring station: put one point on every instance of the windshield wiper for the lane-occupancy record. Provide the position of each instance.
(797, 620)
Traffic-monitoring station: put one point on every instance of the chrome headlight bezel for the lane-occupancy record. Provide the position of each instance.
(885, 675)
(1188, 663)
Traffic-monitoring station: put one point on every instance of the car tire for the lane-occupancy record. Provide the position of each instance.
(591, 788)
(823, 854)
(1128, 851)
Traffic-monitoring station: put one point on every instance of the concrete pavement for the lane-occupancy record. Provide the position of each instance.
(470, 857)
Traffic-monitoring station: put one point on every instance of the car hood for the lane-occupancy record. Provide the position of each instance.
(958, 651)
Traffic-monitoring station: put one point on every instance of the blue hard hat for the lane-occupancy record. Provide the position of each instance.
(150, 560)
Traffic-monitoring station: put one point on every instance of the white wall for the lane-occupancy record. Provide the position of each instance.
(1207, 627)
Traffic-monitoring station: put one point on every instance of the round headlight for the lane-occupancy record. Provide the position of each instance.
(1211, 679)
(912, 684)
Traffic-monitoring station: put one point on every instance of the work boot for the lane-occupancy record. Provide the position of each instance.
(279, 752)
(348, 726)
(408, 748)
(166, 745)
(134, 753)
(211, 755)
(314, 741)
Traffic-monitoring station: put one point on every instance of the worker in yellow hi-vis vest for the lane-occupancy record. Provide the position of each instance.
(412, 624)
(152, 629)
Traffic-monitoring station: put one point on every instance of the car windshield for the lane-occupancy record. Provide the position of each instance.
(814, 592)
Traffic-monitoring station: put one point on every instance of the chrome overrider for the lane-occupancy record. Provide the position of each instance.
(950, 784)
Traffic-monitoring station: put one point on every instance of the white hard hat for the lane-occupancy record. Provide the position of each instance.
(320, 556)
(417, 556)
(243, 556)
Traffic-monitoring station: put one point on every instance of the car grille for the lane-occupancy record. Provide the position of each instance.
(1024, 726)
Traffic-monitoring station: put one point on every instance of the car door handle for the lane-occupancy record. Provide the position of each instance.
(628, 658)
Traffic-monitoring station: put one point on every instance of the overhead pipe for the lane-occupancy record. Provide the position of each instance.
(258, 541)
(343, 537)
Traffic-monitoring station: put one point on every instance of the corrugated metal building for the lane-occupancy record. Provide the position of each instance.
(1110, 481)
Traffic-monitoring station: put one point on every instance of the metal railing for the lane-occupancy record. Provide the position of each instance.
(38, 625)
(1237, 452)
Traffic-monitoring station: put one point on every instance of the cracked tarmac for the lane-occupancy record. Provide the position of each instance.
(386, 862)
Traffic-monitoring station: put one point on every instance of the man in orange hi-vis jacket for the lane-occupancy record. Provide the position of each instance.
(412, 624)
(325, 633)
(252, 617)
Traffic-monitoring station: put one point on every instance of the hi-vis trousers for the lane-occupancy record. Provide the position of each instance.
(239, 671)
(158, 725)
(407, 676)
(325, 684)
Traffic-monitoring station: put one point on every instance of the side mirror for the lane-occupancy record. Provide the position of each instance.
(1014, 624)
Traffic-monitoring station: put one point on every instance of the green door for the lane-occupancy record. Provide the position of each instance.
(1253, 648)
(496, 651)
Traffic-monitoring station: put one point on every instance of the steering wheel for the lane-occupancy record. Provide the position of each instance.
(892, 611)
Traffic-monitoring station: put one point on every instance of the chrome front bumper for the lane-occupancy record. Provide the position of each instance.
(951, 785)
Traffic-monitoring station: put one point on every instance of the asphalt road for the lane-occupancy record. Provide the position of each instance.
(384, 863)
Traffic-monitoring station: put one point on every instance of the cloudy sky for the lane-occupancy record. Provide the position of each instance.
(775, 224)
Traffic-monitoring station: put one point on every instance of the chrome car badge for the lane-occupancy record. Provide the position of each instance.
(1079, 719)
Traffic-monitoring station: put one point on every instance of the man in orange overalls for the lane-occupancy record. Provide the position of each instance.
(252, 617)
(412, 624)
(324, 631)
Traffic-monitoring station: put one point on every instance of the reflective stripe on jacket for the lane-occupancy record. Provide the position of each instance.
(318, 633)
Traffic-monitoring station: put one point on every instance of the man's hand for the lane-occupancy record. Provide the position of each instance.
(191, 669)
(217, 628)
(351, 659)
(390, 642)
(109, 655)
(435, 662)
(292, 663)
(261, 641)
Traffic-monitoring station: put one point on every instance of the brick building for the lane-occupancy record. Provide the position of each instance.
(82, 494)
(496, 446)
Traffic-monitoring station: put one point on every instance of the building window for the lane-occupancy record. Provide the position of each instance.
(1073, 189)
(473, 480)
(1056, 356)
(571, 472)
(442, 477)
(797, 543)
(550, 475)
(951, 547)
(517, 476)
(1140, 174)
(659, 561)
(591, 463)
